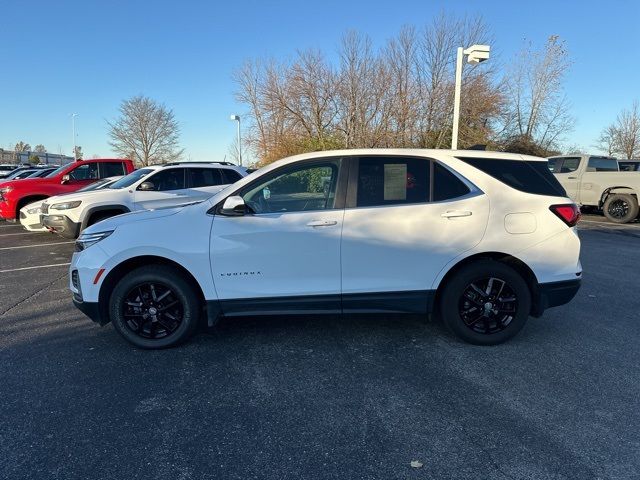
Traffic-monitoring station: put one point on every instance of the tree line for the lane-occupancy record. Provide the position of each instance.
(401, 95)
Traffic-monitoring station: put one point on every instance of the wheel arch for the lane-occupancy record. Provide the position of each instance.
(616, 189)
(518, 265)
(27, 199)
(102, 208)
(120, 270)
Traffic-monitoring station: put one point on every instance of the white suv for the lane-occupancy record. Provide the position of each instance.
(483, 239)
(156, 186)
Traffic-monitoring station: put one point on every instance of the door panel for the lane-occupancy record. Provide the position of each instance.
(406, 218)
(404, 247)
(567, 175)
(273, 255)
(286, 248)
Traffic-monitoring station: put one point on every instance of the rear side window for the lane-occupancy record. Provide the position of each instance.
(602, 165)
(230, 176)
(392, 181)
(446, 185)
(526, 176)
(204, 177)
(111, 169)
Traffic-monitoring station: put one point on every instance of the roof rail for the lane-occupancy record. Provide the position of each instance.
(198, 163)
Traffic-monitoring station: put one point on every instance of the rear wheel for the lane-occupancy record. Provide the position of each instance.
(485, 303)
(154, 307)
(621, 207)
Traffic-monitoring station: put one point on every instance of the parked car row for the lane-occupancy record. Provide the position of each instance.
(600, 183)
(77, 207)
(482, 239)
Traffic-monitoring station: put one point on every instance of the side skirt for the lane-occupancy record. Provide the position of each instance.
(418, 301)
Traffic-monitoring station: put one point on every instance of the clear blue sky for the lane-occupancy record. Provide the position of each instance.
(63, 56)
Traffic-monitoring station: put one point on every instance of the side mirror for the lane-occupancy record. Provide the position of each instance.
(233, 207)
(146, 186)
(65, 179)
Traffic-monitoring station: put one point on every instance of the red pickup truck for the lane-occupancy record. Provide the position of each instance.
(15, 194)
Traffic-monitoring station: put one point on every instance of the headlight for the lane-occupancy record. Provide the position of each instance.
(85, 240)
(4, 191)
(65, 205)
(34, 210)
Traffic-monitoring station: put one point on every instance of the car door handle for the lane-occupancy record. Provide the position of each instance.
(321, 223)
(572, 178)
(456, 213)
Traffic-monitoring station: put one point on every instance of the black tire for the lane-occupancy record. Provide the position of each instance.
(620, 208)
(147, 332)
(498, 318)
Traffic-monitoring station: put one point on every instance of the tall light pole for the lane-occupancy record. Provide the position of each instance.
(475, 54)
(237, 119)
(73, 129)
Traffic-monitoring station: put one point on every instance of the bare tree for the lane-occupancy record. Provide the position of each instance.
(607, 140)
(538, 109)
(627, 129)
(146, 131)
(78, 153)
(39, 149)
(22, 147)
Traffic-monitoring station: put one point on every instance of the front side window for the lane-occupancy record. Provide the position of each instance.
(305, 188)
(166, 180)
(597, 164)
(570, 165)
(392, 181)
(88, 171)
(204, 177)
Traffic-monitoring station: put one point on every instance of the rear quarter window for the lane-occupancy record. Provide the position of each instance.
(524, 175)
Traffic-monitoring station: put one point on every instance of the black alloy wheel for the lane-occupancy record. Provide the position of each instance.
(485, 302)
(488, 305)
(619, 208)
(155, 306)
(152, 310)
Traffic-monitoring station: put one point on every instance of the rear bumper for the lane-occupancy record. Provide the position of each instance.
(61, 224)
(554, 294)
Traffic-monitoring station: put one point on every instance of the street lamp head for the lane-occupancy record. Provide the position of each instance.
(235, 117)
(477, 53)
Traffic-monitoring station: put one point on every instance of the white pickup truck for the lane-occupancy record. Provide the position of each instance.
(597, 182)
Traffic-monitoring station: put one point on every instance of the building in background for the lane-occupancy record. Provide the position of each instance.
(9, 156)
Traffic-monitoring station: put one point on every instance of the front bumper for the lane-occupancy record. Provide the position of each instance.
(554, 294)
(91, 310)
(61, 224)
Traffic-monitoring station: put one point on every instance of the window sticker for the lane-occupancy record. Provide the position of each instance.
(395, 181)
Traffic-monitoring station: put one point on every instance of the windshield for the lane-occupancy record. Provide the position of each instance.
(58, 170)
(131, 178)
(95, 185)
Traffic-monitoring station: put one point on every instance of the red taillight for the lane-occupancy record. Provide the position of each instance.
(569, 213)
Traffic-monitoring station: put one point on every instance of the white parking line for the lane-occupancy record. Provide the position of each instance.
(10, 234)
(31, 246)
(32, 268)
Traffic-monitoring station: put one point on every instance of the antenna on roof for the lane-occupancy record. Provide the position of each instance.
(478, 146)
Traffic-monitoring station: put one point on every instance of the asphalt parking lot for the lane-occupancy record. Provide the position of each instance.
(318, 397)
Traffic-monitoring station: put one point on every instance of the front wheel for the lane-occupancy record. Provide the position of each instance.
(154, 307)
(485, 303)
(620, 208)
